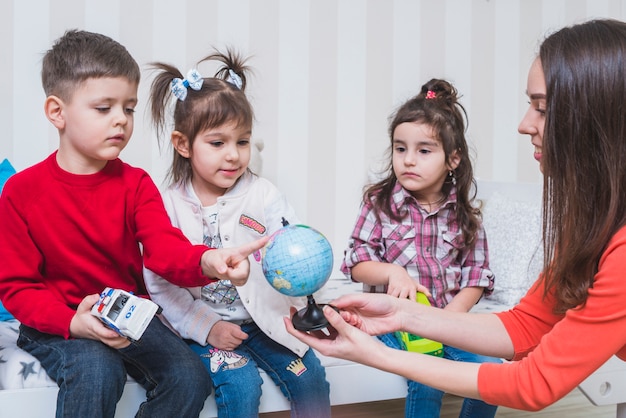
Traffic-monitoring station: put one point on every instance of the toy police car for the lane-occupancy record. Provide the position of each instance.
(124, 312)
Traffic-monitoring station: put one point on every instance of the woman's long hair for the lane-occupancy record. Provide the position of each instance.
(584, 153)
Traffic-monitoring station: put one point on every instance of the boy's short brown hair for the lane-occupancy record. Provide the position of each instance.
(79, 55)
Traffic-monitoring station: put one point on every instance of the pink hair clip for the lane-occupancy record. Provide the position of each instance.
(431, 94)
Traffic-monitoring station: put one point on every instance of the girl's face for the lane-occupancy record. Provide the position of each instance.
(419, 161)
(218, 158)
(535, 118)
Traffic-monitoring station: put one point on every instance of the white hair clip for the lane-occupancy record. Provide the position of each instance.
(234, 79)
(179, 87)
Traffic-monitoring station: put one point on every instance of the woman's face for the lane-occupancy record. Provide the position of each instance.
(535, 118)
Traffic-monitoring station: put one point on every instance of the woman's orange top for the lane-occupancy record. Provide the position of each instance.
(555, 353)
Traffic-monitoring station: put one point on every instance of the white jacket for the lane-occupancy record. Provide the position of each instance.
(251, 209)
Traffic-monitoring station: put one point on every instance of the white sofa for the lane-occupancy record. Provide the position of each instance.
(512, 222)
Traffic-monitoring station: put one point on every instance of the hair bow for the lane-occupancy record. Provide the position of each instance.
(234, 79)
(179, 87)
(431, 94)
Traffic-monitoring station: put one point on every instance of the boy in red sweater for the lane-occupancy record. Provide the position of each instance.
(82, 220)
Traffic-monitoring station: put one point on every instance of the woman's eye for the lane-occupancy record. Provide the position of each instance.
(538, 106)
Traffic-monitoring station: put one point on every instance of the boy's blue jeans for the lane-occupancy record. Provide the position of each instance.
(425, 402)
(238, 383)
(91, 375)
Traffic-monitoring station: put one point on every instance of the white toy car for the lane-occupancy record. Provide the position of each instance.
(125, 313)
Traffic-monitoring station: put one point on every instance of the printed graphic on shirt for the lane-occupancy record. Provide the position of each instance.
(221, 291)
(296, 367)
(211, 236)
(226, 360)
(253, 224)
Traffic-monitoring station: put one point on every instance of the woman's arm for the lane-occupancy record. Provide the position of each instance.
(377, 314)
(481, 333)
(354, 344)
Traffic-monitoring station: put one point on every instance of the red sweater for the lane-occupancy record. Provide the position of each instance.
(555, 353)
(65, 236)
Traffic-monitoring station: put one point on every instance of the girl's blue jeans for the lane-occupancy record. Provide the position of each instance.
(238, 384)
(91, 375)
(425, 402)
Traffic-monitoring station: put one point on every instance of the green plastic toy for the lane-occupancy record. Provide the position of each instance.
(417, 344)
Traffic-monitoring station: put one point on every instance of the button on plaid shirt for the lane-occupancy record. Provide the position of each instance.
(429, 245)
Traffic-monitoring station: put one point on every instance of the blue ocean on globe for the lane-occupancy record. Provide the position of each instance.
(297, 260)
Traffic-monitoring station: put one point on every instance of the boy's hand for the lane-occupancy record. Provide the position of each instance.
(85, 325)
(230, 263)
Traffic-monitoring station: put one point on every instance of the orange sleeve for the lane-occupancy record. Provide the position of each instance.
(553, 354)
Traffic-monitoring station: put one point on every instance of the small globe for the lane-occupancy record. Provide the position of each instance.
(297, 260)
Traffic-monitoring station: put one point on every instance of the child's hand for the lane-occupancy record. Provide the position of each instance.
(230, 263)
(226, 335)
(403, 286)
(85, 325)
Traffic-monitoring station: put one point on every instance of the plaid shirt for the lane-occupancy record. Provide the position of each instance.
(429, 245)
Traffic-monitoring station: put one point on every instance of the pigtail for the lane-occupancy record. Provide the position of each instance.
(232, 62)
(161, 94)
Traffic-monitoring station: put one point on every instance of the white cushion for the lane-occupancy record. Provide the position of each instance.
(18, 369)
(513, 229)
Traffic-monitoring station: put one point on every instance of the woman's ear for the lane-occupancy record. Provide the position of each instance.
(53, 108)
(180, 143)
(454, 161)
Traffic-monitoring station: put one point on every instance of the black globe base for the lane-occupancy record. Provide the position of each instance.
(310, 318)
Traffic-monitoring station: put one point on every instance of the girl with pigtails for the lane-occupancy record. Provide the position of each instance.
(418, 230)
(214, 198)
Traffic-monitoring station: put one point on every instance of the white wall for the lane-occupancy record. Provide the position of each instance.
(327, 75)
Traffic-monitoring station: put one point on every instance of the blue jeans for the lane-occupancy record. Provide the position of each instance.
(91, 375)
(424, 402)
(238, 383)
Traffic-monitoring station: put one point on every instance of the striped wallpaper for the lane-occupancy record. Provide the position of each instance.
(327, 75)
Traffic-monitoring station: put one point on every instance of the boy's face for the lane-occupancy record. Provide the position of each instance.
(96, 123)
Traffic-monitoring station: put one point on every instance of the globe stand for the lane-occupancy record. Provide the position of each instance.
(310, 318)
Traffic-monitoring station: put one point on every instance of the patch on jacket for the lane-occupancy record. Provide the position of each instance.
(252, 223)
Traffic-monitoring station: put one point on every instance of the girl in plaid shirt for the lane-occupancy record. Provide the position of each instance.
(418, 230)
